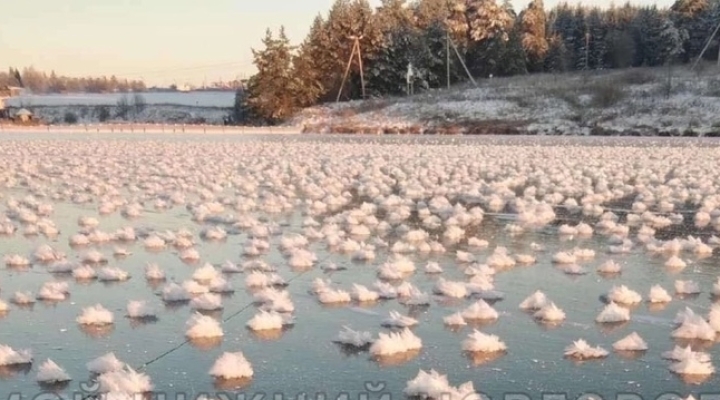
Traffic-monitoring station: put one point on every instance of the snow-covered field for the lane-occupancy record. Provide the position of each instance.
(161, 108)
(145, 128)
(636, 102)
(631, 102)
(223, 99)
(152, 113)
(244, 265)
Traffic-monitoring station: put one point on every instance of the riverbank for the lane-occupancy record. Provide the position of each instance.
(632, 102)
(148, 128)
(149, 114)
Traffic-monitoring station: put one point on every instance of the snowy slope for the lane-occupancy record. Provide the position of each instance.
(627, 102)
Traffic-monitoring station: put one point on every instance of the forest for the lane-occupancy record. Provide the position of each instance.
(485, 39)
(42, 83)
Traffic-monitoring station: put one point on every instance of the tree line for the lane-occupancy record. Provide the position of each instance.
(487, 39)
(40, 82)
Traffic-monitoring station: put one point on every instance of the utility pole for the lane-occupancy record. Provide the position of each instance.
(587, 49)
(447, 56)
(449, 42)
(409, 78)
(706, 47)
(355, 49)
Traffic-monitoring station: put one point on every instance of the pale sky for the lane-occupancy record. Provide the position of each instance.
(161, 41)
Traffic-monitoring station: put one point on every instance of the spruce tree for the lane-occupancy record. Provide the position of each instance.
(387, 74)
(488, 33)
(581, 40)
(597, 30)
(268, 94)
(487, 20)
(620, 49)
(691, 16)
(648, 28)
(564, 28)
(534, 41)
(348, 19)
(513, 60)
(429, 13)
(558, 58)
(310, 66)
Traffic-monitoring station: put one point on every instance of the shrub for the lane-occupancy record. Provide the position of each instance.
(70, 118)
(637, 77)
(607, 94)
(139, 103)
(568, 95)
(123, 107)
(102, 113)
(713, 88)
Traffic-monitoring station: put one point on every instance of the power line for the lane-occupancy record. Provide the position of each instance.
(201, 67)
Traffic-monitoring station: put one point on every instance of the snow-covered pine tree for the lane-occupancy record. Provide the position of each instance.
(513, 60)
(393, 14)
(673, 41)
(268, 94)
(710, 21)
(647, 30)
(534, 41)
(691, 16)
(336, 48)
(619, 42)
(433, 63)
(597, 28)
(620, 49)
(241, 111)
(558, 59)
(346, 19)
(310, 66)
(387, 72)
(489, 27)
(487, 19)
(564, 28)
(637, 29)
(581, 39)
(427, 13)
(510, 10)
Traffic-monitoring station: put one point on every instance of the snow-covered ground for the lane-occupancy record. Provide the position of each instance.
(630, 102)
(160, 107)
(152, 113)
(143, 128)
(194, 99)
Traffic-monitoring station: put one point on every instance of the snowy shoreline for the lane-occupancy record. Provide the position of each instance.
(140, 128)
(631, 102)
(150, 114)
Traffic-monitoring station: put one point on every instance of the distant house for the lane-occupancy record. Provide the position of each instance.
(10, 91)
(23, 115)
(6, 92)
